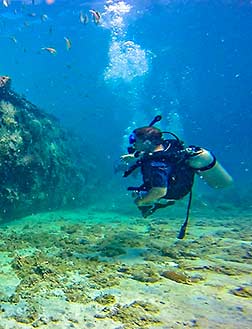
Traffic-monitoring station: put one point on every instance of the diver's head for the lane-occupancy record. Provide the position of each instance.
(146, 139)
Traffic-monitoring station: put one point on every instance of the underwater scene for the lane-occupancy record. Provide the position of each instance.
(125, 164)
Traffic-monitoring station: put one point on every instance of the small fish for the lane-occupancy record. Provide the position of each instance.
(13, 39)
(96, 15)
(51, 50)
(5, 3)
(32, 14)
(68, 43)
(44, 18)
(83, 18)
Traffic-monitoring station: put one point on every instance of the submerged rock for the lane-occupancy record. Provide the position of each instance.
(41, 166)
(245, 292)
(178, 277)
(135, 315)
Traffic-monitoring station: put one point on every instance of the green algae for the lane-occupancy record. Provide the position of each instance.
(112, 251)
(29, 314)
(76, 294)
(147, 275)
(105, 299)
(104, 280)
(135, 315)
(141, 272)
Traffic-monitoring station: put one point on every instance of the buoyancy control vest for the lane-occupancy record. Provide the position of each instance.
(174, 155)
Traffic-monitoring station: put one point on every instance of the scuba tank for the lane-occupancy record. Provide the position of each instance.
(207, 167)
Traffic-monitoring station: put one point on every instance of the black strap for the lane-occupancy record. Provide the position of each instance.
(182, 231)
(132, 168)
(137, 188)
(211, 165)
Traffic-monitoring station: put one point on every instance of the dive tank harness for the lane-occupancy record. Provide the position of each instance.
(201, 160)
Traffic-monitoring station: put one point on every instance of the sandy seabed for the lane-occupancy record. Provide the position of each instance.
(95, 269)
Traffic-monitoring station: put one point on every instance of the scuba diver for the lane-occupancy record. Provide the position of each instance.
(168, 169)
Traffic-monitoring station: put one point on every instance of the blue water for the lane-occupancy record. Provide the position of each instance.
(188, 60)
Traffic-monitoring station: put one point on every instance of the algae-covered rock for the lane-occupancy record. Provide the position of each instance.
(245, 292)
(105, 299)
(135, 315)
(144, 273)
(41, 166)
(176, 276)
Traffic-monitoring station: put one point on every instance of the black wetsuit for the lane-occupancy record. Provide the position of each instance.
(168, 169)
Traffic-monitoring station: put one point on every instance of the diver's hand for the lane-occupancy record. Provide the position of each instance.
(127, 157)
(135, 194)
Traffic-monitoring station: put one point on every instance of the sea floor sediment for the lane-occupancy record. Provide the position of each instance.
(97, 269)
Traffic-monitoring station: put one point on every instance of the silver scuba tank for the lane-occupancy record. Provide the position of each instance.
(208, 168)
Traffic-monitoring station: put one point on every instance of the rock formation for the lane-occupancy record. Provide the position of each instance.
(40, 163)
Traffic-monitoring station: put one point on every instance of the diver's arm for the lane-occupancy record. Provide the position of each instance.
(153, 195)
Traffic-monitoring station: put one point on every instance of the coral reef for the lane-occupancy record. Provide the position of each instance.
(41, 167)
(53, 273)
